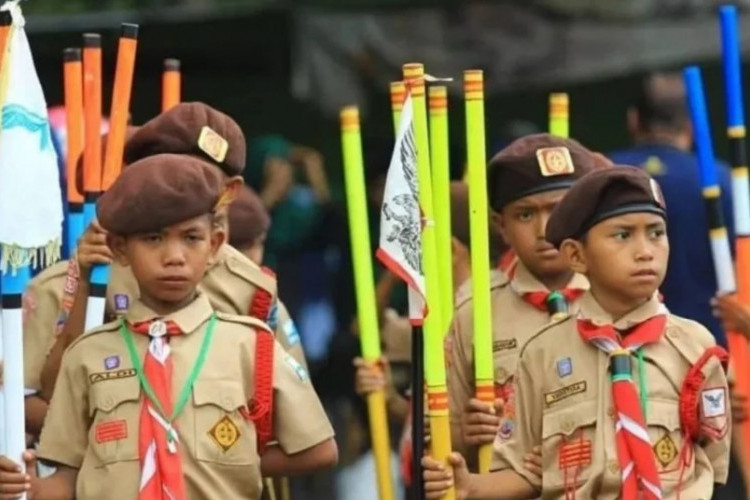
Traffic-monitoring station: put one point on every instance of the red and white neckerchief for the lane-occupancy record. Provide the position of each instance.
(640, 477)
(161, 466)
(554, 302)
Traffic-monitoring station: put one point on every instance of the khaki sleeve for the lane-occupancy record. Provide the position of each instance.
(459, 357)
(299, 420)
(716, 419)
(41, 308)
(528, 427)
(287, 334)
(64, 436)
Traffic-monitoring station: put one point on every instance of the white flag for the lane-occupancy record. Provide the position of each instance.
(400, 246)
(31, 213)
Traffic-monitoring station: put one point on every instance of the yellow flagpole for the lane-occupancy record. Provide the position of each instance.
(351, 142)
(441, 178)
(480, 247)
(559, 114)
(437, 394)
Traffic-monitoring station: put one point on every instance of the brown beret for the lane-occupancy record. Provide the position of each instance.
(129, 131)
(248, 219)
(460, 228)
(192, 128)
(157, 192)
(534, 164)
(600, 195)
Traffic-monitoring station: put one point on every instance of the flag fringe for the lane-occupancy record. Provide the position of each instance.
(14, 257)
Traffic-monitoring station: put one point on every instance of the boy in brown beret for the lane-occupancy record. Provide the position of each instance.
(173, 400)
(625, 399)
(526, 180)
(232, 283)
(248, 223)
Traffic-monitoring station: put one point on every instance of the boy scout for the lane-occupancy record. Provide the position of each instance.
(248, 223)
(626, 400)
(525, 182)
(172, 400)
(232, 283)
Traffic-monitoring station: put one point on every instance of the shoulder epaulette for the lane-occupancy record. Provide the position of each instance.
(553, 323)
(111, 326)
(243, 320)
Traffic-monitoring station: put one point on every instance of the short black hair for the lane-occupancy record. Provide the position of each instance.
(661, 102)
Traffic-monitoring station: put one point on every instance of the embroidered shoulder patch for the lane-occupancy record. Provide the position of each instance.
(553, 397)
(297, 368)
(713, 402)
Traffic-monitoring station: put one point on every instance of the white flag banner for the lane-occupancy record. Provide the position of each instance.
(400, 246)
(31, 213)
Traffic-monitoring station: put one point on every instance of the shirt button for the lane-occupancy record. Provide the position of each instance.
(611, 412)
(614, 466)
(501, 373)
(567, 426)
(109, 402)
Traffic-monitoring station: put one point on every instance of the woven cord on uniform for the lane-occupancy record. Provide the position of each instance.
(161, 467)
(261, 406)
(640, 478)
(689, 405)
(260, 306)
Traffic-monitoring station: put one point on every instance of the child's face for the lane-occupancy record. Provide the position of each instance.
(522, 225)
(624, 257)
(170, 263)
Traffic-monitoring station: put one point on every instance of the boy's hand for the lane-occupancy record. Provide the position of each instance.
(480, 421)
(734, 315)
(533, 461)
(92, 248)
(13, 482)
(371, 377)
(438, 479)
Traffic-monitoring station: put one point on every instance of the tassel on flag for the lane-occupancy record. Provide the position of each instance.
(400, 247)
(30, 233)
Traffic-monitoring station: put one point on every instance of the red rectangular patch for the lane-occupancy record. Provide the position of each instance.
(112, 430)
(575, 453)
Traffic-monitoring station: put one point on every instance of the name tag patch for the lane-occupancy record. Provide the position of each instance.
(553, 397)
(504, 345)
(102, 376)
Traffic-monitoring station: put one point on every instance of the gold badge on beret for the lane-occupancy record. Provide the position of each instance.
(213, 144)
(554, 161)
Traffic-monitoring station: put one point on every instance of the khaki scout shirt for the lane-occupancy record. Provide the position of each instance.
(513, 322)
(564, 404)
(92, 423)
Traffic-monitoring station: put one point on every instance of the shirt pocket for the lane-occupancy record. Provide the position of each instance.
(568, 439)
(665, 435)
(222, 434)
(114, 407)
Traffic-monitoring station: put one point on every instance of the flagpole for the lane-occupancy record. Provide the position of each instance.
(92, 109)
(722, 256)
(73, 84)
(369, 337)
(171, 84)
(441, 178)
(559, 114)
(480, 247)
(437, 394)
(738, 348)
(398, 96)
(118, 122)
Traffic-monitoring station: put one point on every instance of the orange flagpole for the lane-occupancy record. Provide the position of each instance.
(171, 84)
(92, 111)
(73, 85)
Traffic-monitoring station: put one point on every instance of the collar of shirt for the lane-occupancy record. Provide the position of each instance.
(522, 281)
(592, 311)
(189, 318)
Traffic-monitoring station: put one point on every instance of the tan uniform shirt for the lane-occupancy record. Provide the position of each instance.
(564, 403)
(217, 445)
(230, 284)
(513, 322)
